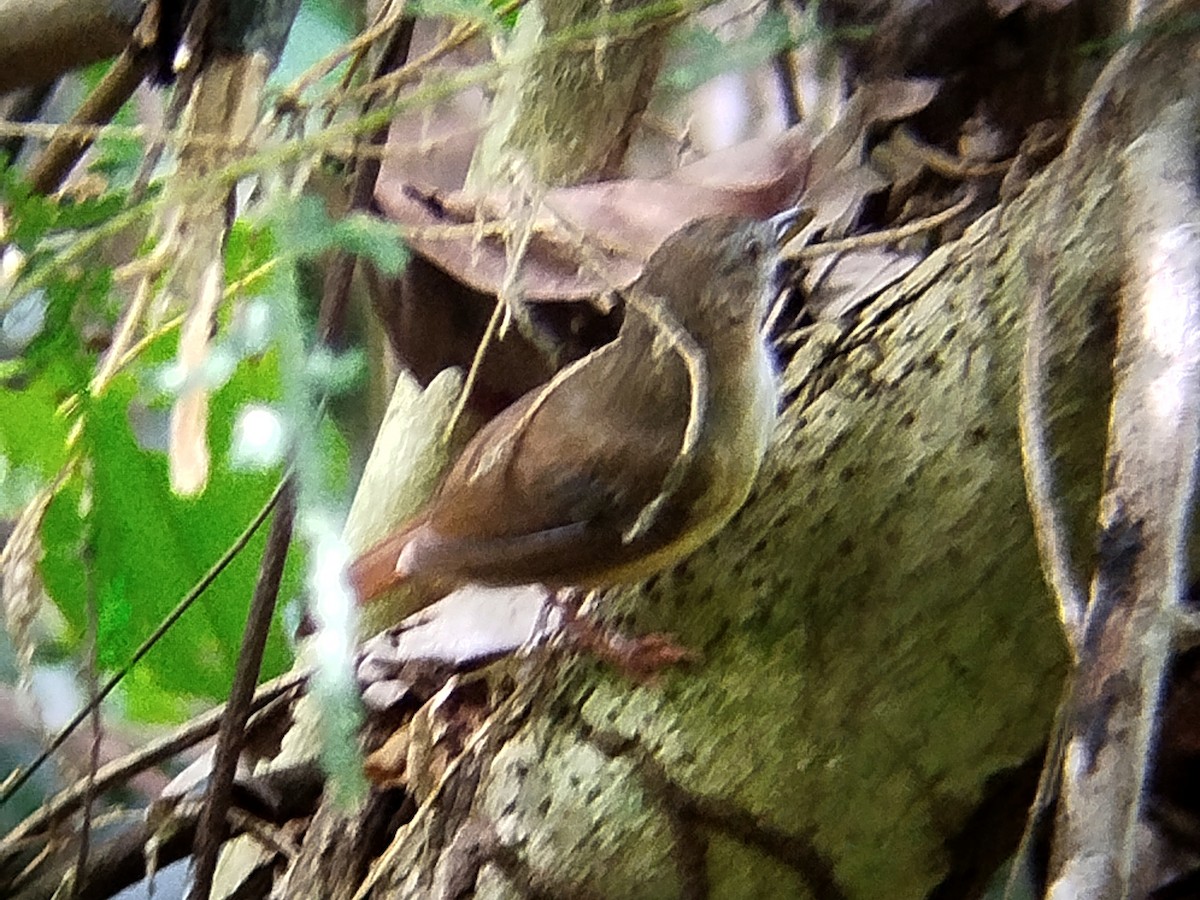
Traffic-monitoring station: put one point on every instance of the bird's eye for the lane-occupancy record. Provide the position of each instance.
(753, 249)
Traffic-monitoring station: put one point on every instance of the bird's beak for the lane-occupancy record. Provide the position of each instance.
(789, 223)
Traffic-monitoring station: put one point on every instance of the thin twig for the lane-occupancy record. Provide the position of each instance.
(887, 235)
(48, 131)
(125, 336)
(123, 859)
(385, 22)
(120, 770)
(489, 334)
(22, 105)
(945, 164)
(50, 169)
(783, 65)
(393, 81)
(93, 686)
(210, 832)
(340, 275)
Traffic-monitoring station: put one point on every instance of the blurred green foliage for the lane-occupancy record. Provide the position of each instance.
(116, 512)
(149, 546)
(702, 56)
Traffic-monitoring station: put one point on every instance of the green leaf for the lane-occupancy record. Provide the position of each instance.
(30, 215)
(705, 57)
(376, 239)
(32, 431)
(477, 12)
(303, 228)
(336, 373)
(148, 700)
(33, 216)
(33, 442)
(246, 249)
(150, 547)
(60, 351)
(89, 212)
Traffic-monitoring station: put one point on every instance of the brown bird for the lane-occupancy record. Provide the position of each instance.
(630, 458)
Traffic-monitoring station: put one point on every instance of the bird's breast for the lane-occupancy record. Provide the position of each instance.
(739, 420)
(744, 408)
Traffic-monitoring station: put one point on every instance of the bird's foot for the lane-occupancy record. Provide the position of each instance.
(643, 658)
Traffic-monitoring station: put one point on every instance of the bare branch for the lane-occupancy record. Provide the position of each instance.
(1140, 582)
(210, 832)
(42, 39)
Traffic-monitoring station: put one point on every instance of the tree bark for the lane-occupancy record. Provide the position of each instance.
(42, 39)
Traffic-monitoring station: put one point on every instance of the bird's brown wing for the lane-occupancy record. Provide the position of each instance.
(546, 491)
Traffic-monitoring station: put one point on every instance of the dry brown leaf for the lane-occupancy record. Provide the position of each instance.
(386, 766)
(624, 219)
(839, 285)
(188, 447)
